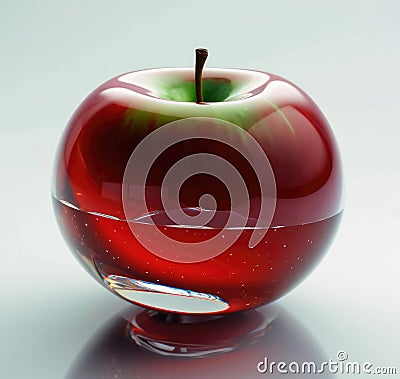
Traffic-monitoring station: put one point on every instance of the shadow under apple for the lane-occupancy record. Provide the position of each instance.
(139, 343)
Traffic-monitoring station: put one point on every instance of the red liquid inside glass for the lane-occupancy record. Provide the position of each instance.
(239, 276)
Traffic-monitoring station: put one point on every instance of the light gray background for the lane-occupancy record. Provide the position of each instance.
(345, 54)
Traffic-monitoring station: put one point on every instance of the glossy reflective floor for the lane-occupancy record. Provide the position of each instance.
(230, 346)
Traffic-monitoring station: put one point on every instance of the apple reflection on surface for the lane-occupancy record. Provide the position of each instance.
(146, 344)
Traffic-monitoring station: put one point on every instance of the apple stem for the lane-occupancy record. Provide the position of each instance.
(201, 57)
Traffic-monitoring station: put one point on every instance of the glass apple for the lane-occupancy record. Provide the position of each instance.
(118, 239)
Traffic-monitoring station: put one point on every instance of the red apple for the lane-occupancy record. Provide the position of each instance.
(198, 205)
